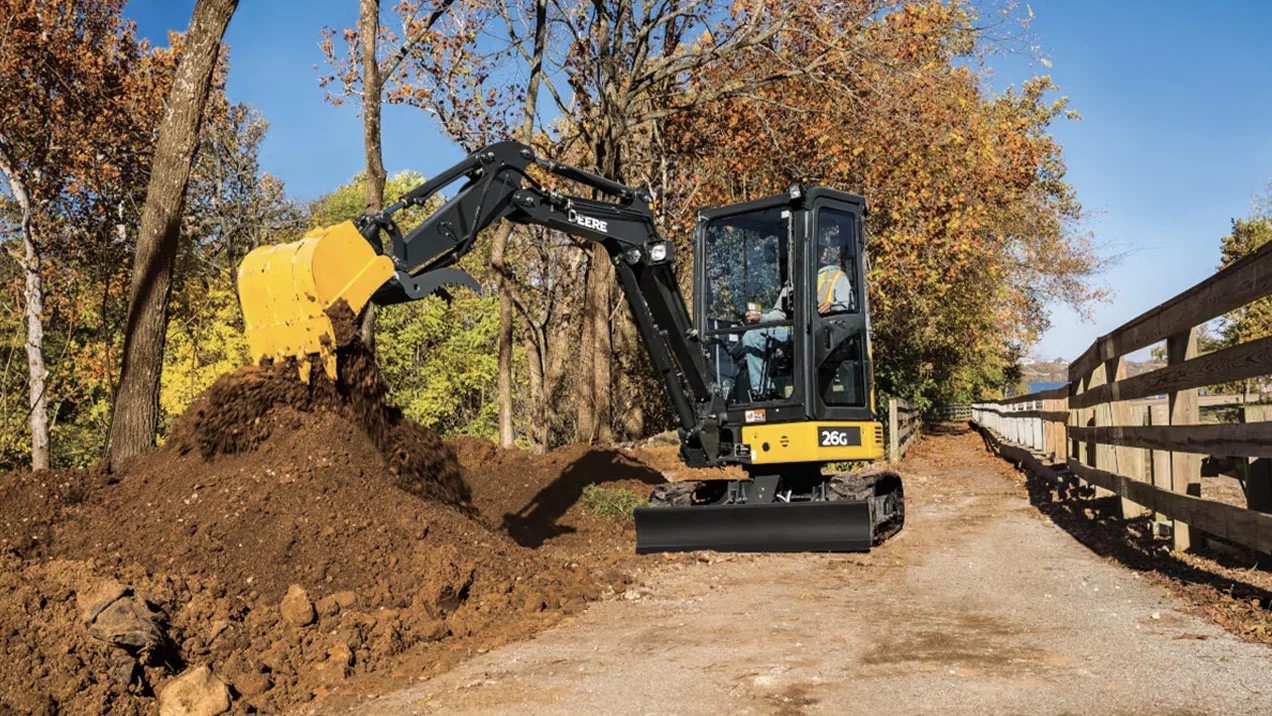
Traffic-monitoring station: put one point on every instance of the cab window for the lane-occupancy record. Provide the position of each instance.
(747, 265)
(836, 256)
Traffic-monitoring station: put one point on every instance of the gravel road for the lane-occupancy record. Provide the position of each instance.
(980, 606)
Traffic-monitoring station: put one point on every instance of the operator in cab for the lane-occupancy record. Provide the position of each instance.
(834, 295)
(758, 344)
(834, 290)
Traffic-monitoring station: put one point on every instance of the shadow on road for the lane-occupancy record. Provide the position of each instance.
(1230, 589)
(1097, 524)
(537, 521)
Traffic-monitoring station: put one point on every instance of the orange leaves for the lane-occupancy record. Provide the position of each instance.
(971, 220)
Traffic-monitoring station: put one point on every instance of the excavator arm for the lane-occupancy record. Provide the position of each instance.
(330, 265)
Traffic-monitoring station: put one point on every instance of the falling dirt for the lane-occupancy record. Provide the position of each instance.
(305, 541)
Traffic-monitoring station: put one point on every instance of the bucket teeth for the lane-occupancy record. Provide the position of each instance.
(286, 289)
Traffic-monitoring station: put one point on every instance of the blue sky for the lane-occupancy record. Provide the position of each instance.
(1175, 139)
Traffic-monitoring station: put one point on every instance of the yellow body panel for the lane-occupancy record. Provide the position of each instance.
(797, 442)
(285, 290)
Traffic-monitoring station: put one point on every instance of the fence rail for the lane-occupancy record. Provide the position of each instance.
(1108, 430)
(904, 424)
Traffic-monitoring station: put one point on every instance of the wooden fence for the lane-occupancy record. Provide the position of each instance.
(1151, 455)
(958, 412)
(904, 423)
(1036, 420)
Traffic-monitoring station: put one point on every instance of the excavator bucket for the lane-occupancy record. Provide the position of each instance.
(285, 290)
(844, 526)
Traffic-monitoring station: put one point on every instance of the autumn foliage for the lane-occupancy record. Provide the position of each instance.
(973, 230)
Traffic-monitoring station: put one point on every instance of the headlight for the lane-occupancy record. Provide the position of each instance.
(658, 253)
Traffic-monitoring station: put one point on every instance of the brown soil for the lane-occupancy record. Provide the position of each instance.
(411, 555)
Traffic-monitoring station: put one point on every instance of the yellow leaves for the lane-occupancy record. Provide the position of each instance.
(202, 344)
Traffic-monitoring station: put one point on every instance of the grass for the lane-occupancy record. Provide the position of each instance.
(611, 501)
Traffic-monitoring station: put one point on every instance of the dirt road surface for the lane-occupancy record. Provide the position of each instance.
(980, 606)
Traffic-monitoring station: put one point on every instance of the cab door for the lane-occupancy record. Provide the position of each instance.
(839, 379)
(748, 273)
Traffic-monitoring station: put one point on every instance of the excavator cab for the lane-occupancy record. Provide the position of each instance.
(779, 305)
(769, 370)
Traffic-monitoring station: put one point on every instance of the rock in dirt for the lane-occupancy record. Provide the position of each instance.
(197, 692)
(112, 613)
(297, 608)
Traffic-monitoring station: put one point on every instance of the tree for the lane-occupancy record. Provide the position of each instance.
(1253, 321)
(67, 130)
(233, 207)
(364, 73)
(972, 230)
(136, 410)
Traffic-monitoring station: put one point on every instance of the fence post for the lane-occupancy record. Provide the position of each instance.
(894, 437)
(1077, 417)
(1038, 440)
(1127, 461)
(1160, 415)
(1185, 468)
(1258, 470)
(1098, 455)
(1057, 443)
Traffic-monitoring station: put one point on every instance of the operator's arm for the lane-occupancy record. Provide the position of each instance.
(771, 315)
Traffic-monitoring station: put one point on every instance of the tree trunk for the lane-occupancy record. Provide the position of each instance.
(372, 86)
(558, 346)
(37, 375)
(594, 377)
(135, 418)
(499, 247)
(538, 407)
(598, 347)
(633, 369)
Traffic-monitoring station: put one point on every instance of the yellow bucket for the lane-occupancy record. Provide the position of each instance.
(285, 290)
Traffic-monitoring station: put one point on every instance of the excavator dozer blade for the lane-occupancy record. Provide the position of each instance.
(286, 289)
(775, 527)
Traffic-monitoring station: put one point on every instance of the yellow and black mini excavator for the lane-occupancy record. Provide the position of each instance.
(772, 372)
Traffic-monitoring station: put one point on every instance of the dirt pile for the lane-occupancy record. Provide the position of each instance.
(301, 540)
(535, 499)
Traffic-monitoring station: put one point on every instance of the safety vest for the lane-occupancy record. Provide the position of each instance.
(826, 283)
